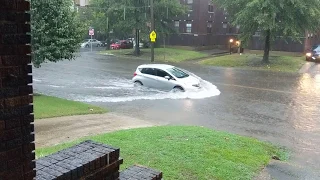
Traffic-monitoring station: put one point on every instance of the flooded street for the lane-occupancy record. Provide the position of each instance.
(282, 108)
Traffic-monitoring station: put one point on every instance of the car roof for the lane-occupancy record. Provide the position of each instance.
(160, 66)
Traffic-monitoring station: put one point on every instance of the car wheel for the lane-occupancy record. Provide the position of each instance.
(87, 45)
(138, 84)
(178, 89)
(98, 45)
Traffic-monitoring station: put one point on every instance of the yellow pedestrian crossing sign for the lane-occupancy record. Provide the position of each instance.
(153, 36)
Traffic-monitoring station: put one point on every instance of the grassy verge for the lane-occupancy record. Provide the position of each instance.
(48, 107)
(279, 61)
(161, 54)
(188, 152)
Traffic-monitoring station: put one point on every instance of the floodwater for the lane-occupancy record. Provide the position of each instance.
(119, 90)
(282, 108)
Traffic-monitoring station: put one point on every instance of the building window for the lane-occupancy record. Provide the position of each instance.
(177, 25)
(238, 29)
(209, 27)
(224, 25)
(188, 27)
(210, 8)
(189, 4)
(189, 1)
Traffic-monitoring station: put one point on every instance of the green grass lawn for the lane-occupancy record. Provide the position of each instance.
(279, 61)
(187, 153)
(161, 54)
(48, 107)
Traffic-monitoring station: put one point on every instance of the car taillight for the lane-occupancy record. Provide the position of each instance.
(134, 74)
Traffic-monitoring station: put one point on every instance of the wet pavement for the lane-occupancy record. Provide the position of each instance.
(282, 108)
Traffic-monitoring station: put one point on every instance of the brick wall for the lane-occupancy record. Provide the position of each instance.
(16, 119)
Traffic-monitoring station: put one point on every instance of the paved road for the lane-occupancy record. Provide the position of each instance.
(282, 108)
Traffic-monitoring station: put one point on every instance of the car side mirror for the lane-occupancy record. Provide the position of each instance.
(167, 77)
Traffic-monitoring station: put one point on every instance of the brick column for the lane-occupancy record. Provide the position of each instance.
(16, 118)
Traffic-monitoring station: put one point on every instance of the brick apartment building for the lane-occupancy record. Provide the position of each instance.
(206, 25)
(203, 25)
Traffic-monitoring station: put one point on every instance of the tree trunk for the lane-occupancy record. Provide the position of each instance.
(137, 45)
(267, 47)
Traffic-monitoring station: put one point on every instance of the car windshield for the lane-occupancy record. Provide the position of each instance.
(178, 72)
(316, 48)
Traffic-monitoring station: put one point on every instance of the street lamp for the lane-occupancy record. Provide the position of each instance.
(238, 47)
(231, 41)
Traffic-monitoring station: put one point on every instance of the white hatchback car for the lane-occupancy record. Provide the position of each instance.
(87, 43)
(165, 77)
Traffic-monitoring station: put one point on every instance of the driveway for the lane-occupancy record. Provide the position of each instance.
(282, 108)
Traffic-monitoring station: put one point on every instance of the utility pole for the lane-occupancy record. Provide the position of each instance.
(108, 28)
(152, 28)
(108, 35)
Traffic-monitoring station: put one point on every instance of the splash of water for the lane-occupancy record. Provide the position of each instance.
(142, 93)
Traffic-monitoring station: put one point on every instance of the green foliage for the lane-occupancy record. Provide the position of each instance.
(56, 31)
(169, 54)
(48, 107)
(126, 15)
(285, 18)
(278, 61)
(188, 153)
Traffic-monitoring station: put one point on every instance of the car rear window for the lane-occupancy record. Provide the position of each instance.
(150, 71)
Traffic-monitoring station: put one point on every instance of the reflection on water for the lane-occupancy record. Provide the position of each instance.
(188, 105)
(306, 104)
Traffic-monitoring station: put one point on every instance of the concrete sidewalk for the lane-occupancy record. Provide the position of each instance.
(215, 51)
(54, 131)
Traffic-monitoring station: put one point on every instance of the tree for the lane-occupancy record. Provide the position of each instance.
(127, 16)
(274, 18)
(56, 31)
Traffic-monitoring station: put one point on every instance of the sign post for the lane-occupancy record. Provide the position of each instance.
(153, 34)
(153, 37)
(91, 33)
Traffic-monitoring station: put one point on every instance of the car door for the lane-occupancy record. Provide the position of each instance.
(89, 42)
(149, 78)
(163, 83)
(94, 42)
(123, 45)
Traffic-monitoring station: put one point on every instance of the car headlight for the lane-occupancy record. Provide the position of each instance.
(309, 54)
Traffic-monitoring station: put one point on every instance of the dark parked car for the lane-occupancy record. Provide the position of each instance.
(314, 54)
(105, 43)
(121, 45)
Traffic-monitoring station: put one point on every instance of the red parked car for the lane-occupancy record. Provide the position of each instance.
(121, 45)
